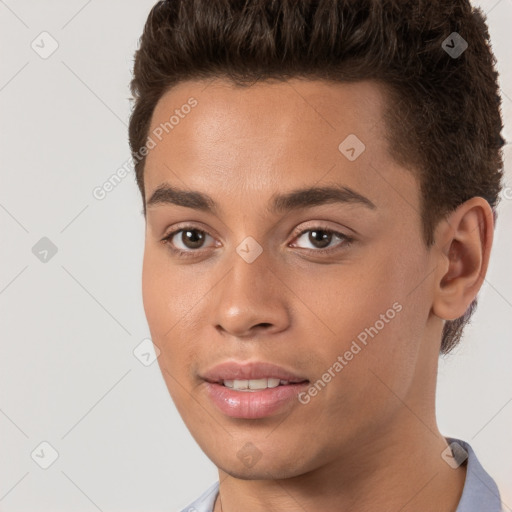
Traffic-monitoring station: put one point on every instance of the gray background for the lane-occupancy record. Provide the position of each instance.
(68, 375)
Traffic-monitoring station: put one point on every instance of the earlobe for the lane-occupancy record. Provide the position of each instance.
(465, 240)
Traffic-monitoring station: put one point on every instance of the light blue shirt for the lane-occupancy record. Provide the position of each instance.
(480, 493)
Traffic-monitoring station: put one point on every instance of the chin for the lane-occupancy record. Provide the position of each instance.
(259, 473)
(264, 469)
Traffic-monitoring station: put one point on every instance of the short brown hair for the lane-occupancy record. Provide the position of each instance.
(443, 116)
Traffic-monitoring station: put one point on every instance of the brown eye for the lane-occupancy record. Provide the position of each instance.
(192, 238)
(186, 241)
(320, 238)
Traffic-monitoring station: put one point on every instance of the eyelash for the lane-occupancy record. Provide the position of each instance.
(180, 253)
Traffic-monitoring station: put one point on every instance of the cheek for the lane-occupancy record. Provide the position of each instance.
(374, 312)
(344, 300)
(170, 302)
(159, 287)
(167, 292)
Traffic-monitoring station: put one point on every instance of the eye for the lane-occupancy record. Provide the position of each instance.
(191, 237)
(321, 237)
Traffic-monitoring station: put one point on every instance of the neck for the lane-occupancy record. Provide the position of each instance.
(406, 473)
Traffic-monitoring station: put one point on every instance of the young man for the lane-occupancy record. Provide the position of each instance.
(319, 181)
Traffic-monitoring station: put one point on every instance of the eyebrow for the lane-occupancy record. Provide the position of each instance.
(293, 200)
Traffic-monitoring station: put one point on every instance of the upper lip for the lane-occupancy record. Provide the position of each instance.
(232, 370)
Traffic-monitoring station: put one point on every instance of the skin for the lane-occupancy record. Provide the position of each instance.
(369, 440)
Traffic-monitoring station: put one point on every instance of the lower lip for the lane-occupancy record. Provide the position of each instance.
(253, 404)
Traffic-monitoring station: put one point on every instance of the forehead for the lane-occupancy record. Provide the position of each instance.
(290, 110)
(265, 135)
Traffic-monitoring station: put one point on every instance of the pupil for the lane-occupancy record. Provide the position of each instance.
(325, 238)
(196, 240)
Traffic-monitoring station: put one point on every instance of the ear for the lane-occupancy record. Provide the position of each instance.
(464, 239)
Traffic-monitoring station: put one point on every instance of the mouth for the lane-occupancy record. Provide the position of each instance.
(252, 385)
(243, 402)
(252, 390)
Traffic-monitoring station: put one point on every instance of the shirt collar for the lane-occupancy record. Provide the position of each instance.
(480, 492)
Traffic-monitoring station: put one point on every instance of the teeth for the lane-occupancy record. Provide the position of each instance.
(262, 383)
(253, 384)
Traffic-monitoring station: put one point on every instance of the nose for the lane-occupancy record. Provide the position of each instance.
(251, 300)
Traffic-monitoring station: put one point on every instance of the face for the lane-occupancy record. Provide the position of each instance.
(332, 288)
